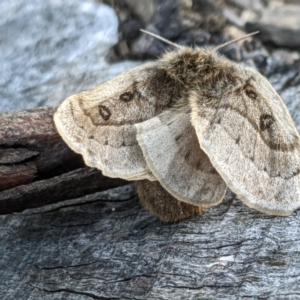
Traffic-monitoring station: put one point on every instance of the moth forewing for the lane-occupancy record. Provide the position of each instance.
(99, 124)
(251, 140)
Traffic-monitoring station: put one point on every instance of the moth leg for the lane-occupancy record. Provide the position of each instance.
(161, 204)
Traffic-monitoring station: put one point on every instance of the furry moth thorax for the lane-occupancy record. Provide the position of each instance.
(197, 67)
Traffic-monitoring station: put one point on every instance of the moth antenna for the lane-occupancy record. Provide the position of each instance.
(236, 40)
(161, 38)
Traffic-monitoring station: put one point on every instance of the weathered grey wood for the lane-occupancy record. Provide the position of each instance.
(30, 136)
(79, 182)
(105, 246)
(114, 249)
(37, 167)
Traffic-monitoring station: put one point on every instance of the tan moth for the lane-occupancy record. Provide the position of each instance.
(185, 127)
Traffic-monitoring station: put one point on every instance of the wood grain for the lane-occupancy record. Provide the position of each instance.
(37, 167)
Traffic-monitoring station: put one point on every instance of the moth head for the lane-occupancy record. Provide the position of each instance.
(194, 67)
(183, 63)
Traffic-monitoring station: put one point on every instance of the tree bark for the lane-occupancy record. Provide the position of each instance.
(37, 167)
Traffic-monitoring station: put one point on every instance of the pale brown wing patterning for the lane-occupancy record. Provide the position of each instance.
(172, 152)
(99, 124)
(250, 138)
(162, 204)
(243, 128)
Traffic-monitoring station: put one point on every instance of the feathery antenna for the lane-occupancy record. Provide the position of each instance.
(236, 40)
(160, 38)
(216, 48)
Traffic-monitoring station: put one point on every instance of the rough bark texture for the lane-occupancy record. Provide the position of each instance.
(105, 245)
(114, 249)
(37, 167)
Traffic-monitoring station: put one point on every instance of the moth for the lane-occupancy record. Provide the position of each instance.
(185, 128)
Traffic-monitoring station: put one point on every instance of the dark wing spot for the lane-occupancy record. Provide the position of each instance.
(104, 112)
(250, 92)
(126, 97)
(266, 121)
(238, 140)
